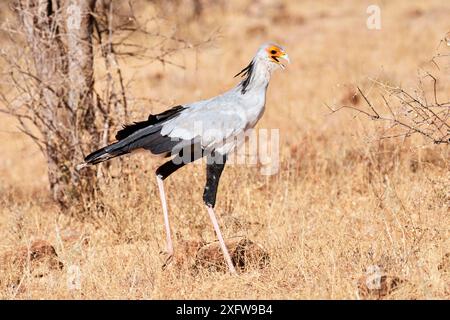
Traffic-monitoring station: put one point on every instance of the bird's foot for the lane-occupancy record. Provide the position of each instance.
(168, 260)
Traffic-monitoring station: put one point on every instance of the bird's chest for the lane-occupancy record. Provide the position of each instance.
(254, 109)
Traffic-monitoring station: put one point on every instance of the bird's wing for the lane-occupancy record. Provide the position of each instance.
(213, 122)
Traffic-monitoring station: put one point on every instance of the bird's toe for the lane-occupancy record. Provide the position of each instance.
(168, 261)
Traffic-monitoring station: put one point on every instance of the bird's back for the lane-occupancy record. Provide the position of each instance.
(217, 121)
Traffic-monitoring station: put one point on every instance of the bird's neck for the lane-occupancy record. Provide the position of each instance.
(256, 78)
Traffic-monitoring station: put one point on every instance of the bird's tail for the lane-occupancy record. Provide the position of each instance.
(101, 155)
(144, 134)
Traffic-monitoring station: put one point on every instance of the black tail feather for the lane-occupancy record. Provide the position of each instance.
(102, 155)
(128, 139)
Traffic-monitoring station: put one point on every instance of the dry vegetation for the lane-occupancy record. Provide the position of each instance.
(343, 201)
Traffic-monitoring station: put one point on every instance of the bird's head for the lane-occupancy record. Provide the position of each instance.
(257, 73)
(271, 54)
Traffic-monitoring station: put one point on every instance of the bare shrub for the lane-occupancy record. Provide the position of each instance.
(50, 80)
(407, 113)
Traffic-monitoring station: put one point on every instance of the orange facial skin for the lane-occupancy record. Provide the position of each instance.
(275, 53)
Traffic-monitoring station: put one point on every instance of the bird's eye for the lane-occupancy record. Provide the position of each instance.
(273, 51)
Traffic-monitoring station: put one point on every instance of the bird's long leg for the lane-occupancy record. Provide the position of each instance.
(169, 243)
(221, 241)
(213, 171)
(162, 173)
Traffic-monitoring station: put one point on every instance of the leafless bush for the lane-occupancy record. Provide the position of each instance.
(189, 9)
(409, 113)
(50, 80)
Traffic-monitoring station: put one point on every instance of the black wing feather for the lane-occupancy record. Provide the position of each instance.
(153, 119)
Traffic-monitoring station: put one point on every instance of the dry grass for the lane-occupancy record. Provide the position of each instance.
(341, 203)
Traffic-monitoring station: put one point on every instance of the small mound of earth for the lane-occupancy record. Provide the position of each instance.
(444, 266)
(370, 288)
(244, 254)
(38, 259)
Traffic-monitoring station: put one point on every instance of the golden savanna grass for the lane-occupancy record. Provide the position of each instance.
(342, 202)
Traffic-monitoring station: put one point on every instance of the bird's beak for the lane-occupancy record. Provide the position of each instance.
(285, 57)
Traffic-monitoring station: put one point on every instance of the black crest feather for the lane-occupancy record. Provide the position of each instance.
(247, 72)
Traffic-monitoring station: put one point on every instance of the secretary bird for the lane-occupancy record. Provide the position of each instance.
(207, 128)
